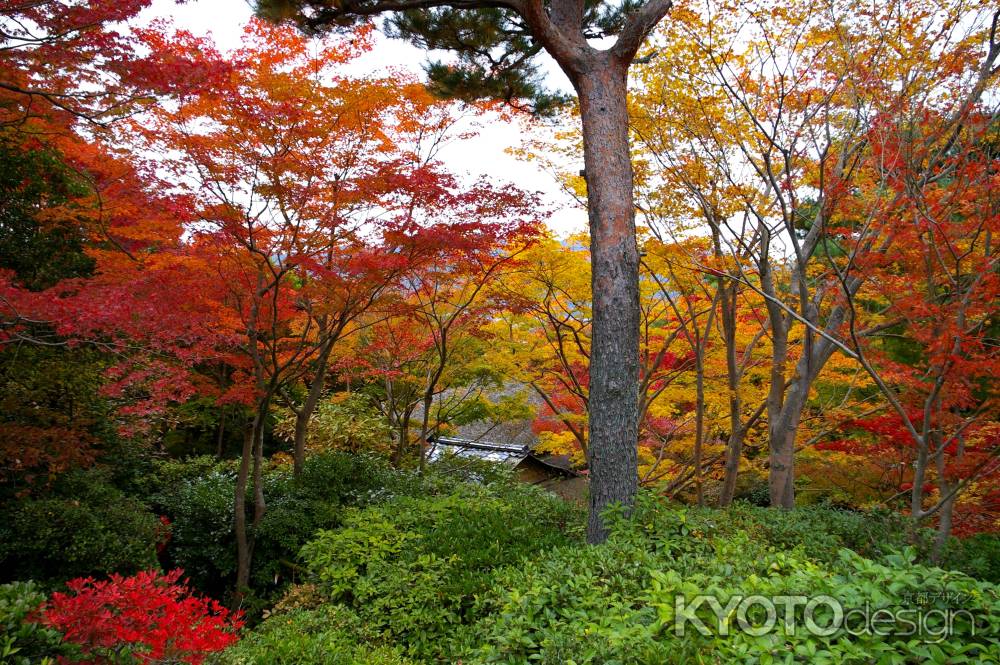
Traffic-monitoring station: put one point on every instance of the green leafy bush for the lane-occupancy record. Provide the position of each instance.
(978, 556)
(856, 583)
(200, 510)
(22, 640)
(83, 527)
(574, 604)
(411, 567)
(823, 530)
(331, 635)
(617, 603)
(197, 497)
(166, 475)
(342, 422)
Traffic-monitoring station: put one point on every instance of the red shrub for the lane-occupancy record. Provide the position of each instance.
(151, 615)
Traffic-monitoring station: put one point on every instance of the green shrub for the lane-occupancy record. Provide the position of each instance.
(84, 527)
(858, 583)
(433, 570)
(573, 604)
(165, 475)
(616, 603)
(197, 497)
(22, 641)
(343, 422)
(299, 507)
(758, 493)
(978, 556)
(822, 530)
(200, 510)
(411, 567)
(331, 635)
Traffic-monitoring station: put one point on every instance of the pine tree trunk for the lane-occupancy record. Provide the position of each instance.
(614, 361)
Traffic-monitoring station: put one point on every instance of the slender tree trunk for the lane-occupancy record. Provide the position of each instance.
(220, 437)
(701, 342)
(945, 518)
(781, 479)
(734, 447)
(919, 478)
(433, 377)
(402, 443)
(699, 433)
(259, 506)
(781, 432)
(614, 363)
(428, 404)
(734, 451)
(243, 553)
(251, 467)
(945, 489)
(404, 421)
(305, 412)
(396, 422)
(781, 439)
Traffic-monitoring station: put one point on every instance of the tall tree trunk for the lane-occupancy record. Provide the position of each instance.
(945, 518)
(304, 414)
(946, 489)
(614, 362)
(734, 446)
(781, 434)
(243, 553)
(785, 426)
(259, 506)
(251, 466)
(220, 436)
(783, 429)
(402, 442)
(699, 424)
(781, 478)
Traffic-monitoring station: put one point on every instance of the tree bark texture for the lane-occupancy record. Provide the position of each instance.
(614, 362)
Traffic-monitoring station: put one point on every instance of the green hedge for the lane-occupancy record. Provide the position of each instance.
(408, 571)
(331, 635)
(616, 603)
(498, 574)
(83, 527)
(197, 497)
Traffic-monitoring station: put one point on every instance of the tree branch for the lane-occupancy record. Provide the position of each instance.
(637, 28)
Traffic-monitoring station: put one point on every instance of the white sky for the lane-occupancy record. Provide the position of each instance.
(482, 155)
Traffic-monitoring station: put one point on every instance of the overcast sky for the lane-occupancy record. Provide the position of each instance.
(483, 155)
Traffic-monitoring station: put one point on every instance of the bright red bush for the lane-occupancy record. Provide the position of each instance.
(151, 615)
